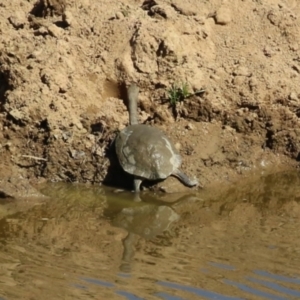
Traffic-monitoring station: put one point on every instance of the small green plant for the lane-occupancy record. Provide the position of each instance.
(180, 93)
(185, 91)
(173, 95)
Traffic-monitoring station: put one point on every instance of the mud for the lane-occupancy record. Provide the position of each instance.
(64, 65)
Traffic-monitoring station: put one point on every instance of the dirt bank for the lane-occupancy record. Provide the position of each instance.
(63, 66)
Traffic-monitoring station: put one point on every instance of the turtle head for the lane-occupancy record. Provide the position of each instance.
(132, 96)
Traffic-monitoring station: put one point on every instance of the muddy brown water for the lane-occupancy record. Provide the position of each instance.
(237, 242)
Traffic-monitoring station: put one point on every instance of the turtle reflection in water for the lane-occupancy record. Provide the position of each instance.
(146, 152)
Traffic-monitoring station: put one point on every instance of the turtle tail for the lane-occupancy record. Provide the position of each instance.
(184, 178)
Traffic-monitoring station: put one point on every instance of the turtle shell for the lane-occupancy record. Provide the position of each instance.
(146, 152)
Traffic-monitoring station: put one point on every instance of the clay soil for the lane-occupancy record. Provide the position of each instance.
(64, 66)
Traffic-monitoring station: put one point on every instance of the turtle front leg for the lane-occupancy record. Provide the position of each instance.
(137, 183)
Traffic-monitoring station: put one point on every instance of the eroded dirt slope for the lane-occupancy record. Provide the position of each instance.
(64, 66)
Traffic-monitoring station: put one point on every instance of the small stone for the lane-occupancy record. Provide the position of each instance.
(294, 47)
(239, 112)
(16, 114)
(178, 146)
(200, 20)
(160, 10)
(36, 53)
(223, 16)
(214, 77)
(190, 126)
(77, 154)
(184, 8)
(45, 90)
(293, 96)
(253, 83)
(68, 18)
(8, 145)
(42, 30)
(268, 51)
(18, 20)
(99, 152)
(15, 22)
(119, 15)
(78, 124)
(55, 31)
(241, 71)
(238, 80)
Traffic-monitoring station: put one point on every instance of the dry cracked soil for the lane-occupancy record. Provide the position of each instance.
(65, 64)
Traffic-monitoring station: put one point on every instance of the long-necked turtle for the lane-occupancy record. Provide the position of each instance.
(146, 152)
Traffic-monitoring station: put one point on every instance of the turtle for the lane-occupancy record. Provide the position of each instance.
(145, 151)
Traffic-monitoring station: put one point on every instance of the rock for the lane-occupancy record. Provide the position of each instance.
(178, 146)
(163, 11)
(16, 114)
(294, 47)
(238, 80)
(55, 31)
(19, 115)
(253, 83)
(68, 18)
(184, 7)
(119, 15)
(200, 20)
(223, 16)
(241, 71)
(36, 53)
(76, 154)
(268, 51)
(18, 20)
(293, 96)
(42, 30)
(53, 7)
(164, 115)
(190, 126)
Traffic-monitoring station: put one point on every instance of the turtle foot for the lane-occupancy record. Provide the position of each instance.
(185, 179)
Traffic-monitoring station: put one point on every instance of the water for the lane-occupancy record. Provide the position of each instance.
(241, 242)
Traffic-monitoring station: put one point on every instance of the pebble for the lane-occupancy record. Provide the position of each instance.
(42, 30)
(200, 20)
(77, 154)
(55, 31)
(268, 51)
(294, 47)
(190, 126)
(223, 16)
(184, 8)
(68, 18)
(18, 20)
(253, 82)
(36, 53)
(15, 22)
(293, 96)
(119, 15)
(16, 114)
(160, 10)
(241, 71)
(238, 80)
(178, 146)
